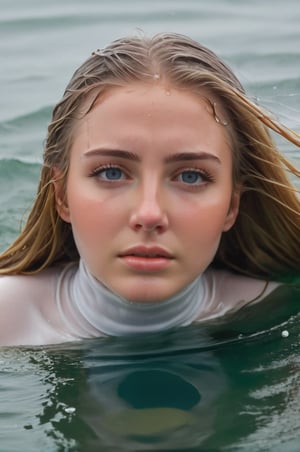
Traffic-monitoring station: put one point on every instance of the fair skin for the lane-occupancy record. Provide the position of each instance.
(149, 189)
(148, 195)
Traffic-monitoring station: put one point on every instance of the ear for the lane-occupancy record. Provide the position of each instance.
(233, 210)
(60, 195)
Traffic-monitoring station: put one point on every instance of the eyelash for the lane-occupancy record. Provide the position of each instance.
(97, 171)
(207, 177)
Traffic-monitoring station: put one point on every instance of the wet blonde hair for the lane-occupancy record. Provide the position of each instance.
(265, 240)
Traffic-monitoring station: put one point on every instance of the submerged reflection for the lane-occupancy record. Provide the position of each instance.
(167, 402)
(222, 386)
(111, 396)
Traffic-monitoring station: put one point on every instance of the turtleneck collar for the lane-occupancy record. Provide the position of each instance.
(89, 308)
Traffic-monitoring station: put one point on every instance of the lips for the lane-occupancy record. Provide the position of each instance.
(146, 258)
(147, 251)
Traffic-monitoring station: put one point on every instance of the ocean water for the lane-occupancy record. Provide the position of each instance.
(219, 388)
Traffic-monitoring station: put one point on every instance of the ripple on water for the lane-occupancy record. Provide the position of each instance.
(220, 385)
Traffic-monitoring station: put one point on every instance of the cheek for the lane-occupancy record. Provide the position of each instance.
(206, 217)
(92, 218)
(202, 233)
(204, 229)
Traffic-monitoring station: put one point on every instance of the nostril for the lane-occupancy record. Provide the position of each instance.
(148, 214)
(149, 224)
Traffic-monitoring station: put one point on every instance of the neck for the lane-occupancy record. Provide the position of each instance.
(87, 305)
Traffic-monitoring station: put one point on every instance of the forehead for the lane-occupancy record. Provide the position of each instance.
(144, 110)
(161, 94)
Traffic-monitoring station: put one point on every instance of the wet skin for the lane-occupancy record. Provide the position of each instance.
(149, 189)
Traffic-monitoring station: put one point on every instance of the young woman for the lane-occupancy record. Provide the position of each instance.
(163, 201)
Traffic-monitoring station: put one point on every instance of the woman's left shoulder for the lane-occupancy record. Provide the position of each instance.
(235, 290)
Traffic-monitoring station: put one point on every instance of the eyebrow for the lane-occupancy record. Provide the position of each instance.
(184, 156)
(113, 153)
(178, 157)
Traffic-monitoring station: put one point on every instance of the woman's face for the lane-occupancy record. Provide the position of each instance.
(149, 190)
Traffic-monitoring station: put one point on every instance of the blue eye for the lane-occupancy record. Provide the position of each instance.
(191, 177)
(113, 173)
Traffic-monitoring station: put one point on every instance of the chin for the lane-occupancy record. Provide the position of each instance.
(147, 295)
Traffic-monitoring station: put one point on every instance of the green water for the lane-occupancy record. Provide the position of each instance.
(231, 385)
(223, 387)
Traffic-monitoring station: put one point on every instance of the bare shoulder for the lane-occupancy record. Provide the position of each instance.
(236, 290)
(24, 289)
(226, 292)
(26, 303)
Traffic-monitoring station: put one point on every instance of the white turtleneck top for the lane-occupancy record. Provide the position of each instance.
(84, 301)
(68, 303)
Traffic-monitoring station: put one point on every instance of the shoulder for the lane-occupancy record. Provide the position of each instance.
(261, 307)
(229, 291)
(23, 288)
(239, 287)
(27, 307)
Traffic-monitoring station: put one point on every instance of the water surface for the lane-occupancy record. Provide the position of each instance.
(227, 387)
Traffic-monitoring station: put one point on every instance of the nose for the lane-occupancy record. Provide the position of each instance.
(149, 214)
